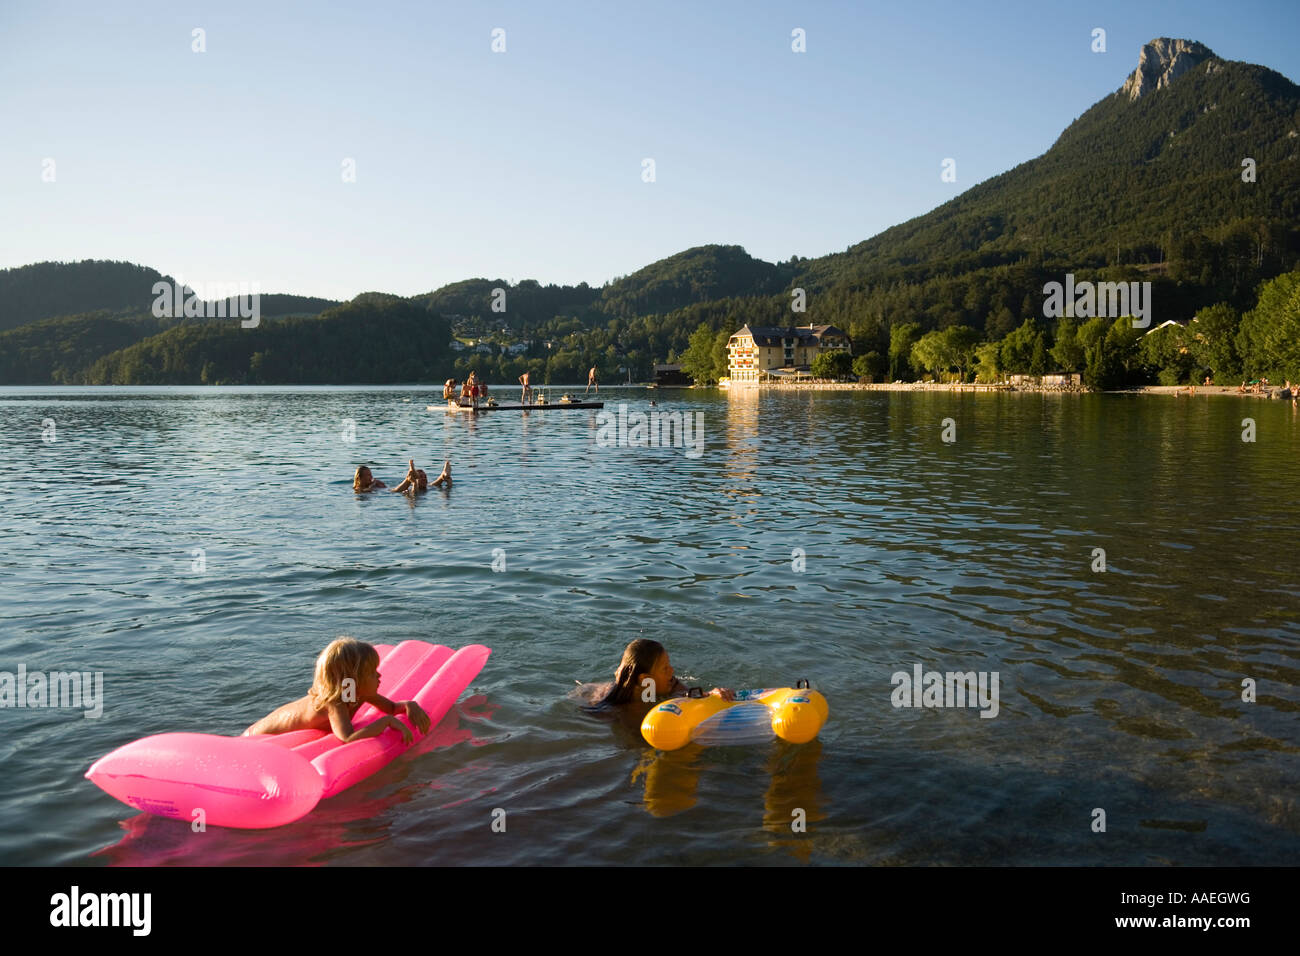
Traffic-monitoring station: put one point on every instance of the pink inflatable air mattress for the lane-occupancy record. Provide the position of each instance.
(270, 780)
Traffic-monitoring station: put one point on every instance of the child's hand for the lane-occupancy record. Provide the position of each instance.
(418, 717)
(726, 693)
(405, 730)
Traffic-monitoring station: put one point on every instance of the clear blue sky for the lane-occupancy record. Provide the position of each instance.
(226, 165)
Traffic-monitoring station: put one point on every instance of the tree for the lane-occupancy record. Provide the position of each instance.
(697, 360)
(1092, 332)
(720, 357)
(1101, 371)
(1166, 350)
(1213, 340)
(832, 365)
(1018, 348)
(931, 353)
(960, 341)
(1038, 359)
(999, 323)
(987, 362)
(901, 339)
(1269, 338)
(1068, 351)
(870, 366)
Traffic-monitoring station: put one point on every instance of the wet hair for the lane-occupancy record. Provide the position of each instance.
(356, 478)
(640, 657)
(344, 658)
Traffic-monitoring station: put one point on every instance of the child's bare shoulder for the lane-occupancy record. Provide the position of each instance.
(296, 715)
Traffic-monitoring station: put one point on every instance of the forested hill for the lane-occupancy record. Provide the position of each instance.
(702, 274)
(526, 303)
(1130, 182)
(47, 289)
(374, 339)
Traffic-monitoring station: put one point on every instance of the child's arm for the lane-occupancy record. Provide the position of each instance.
(341, 724)
(408, 707)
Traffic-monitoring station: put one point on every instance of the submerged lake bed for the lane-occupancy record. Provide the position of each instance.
(1125, 565)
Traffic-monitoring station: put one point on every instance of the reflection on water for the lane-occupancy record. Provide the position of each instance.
(1120, 688)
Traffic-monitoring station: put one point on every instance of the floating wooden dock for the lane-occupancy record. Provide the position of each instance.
(516, 407)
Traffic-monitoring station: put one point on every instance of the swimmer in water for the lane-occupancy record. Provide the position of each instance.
(644, 675)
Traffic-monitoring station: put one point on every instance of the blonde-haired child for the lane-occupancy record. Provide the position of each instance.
(363, 480)
(347, 676)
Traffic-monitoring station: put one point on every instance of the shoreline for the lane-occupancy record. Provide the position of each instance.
(1182, 391)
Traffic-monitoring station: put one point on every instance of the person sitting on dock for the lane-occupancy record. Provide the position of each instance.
(528, 389)
(449, 390)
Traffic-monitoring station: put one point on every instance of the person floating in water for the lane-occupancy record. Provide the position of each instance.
(363, 480)
(346, 676)
(644, 676)
(417, 479)
(591, 382)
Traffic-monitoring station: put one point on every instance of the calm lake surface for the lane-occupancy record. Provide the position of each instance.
(1119, 690)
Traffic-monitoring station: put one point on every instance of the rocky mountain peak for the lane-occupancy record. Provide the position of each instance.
(1161, 62)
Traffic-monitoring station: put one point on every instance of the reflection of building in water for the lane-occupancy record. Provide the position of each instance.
(740, 469)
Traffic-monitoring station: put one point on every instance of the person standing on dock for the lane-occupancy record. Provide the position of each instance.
(591, 381)
(470, 390)
(528, 390)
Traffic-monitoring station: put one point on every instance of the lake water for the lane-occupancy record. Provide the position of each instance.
(1119, 690)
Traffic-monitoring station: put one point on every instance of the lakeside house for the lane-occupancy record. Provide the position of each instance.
(764, 353)
(1164, 325)
(671, 375)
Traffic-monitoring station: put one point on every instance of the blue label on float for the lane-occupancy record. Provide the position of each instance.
(671, 708)
(800, 700)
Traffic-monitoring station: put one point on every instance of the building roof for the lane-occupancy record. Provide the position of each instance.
(771, 335)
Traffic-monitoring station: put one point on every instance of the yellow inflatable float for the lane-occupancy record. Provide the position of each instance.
(795, 714)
